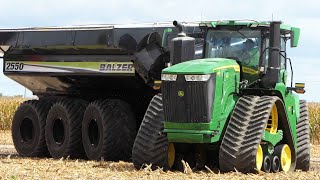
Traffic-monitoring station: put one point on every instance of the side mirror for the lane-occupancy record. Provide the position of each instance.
(299, 88)
(295, 35)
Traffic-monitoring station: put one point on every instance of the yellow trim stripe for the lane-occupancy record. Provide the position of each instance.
(235, 67)
(301, 85)
(248, 70)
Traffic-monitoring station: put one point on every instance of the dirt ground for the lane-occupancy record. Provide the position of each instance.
(14, 167)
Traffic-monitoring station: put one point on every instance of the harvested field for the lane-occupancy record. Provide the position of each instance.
(14, 167)
(5, 137)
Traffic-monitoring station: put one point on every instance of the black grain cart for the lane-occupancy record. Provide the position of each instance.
(94, 85)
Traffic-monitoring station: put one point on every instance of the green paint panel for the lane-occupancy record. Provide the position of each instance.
(88, 65)
(226, 89)
(292, 105)
(296, 36)
(188, 138)
(187, 126)
(201, 66)
(272, 138)
(164, 36)
(188, 131)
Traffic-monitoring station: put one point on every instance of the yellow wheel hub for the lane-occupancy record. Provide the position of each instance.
(272, 125)
(171, 155)
(259, 158)
(285, 158)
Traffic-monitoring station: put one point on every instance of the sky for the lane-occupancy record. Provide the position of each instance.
(303, 14)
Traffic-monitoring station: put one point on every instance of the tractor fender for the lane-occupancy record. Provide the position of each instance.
(287, 132)
(297, 105)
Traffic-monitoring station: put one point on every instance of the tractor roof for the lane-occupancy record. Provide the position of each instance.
(248, 23)
(285, 28)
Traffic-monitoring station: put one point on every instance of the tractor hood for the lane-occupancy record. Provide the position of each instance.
(202, 66)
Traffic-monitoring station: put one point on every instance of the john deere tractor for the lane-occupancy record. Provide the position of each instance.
(233, 108)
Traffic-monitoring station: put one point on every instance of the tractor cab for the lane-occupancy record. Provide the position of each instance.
(248, 43)
(242, 45)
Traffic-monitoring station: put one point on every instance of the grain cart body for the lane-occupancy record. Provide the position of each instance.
(92, 82)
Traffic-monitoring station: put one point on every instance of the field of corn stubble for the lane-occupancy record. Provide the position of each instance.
(14, 167)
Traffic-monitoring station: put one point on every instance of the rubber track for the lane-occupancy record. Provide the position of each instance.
(303, 138)
(119, 129)
(75, 109)
(151, 144)
(41, 108)
(244, 132)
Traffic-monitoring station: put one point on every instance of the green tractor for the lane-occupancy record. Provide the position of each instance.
(232, 109)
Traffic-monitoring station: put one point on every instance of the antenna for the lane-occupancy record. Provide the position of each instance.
(201, 14)
(272, 16)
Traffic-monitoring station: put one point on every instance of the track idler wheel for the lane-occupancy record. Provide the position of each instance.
(259, 158)
(266, 167)
(283, 151)
(275, 164)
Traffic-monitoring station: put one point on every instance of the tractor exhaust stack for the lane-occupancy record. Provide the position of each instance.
(273, 72)
(182, 47)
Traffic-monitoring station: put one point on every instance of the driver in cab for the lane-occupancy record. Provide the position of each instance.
(250, 54)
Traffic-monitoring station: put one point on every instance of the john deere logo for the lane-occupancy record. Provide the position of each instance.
(180, 93)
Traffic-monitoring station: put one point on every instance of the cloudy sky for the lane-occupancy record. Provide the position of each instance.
(303, 14)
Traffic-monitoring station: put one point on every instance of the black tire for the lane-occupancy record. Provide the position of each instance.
(63, 128)
(151, 144)
(303, 138)
(244, 132)
(266, 167)
(275, 164)
(108, 130)
(28, 128)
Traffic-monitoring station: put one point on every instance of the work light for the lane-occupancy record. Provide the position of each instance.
(168, 77)
(203, 77)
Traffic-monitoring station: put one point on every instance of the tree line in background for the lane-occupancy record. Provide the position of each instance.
(15, 96)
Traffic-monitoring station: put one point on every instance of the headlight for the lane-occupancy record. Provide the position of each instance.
(168, 77)
(204, 77)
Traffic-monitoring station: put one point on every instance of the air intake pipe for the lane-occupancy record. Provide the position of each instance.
(179, 26)
(182, 47)
(273, 71)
